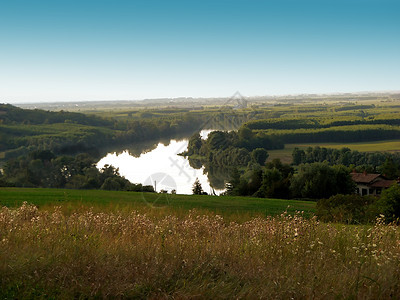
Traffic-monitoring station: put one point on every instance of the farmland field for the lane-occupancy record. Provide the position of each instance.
(383, 146)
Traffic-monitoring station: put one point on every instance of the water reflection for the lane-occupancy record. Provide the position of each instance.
(163, 158)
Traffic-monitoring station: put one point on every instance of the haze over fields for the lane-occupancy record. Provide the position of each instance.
(127, 50)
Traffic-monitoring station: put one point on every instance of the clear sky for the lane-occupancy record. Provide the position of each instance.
(71, 50)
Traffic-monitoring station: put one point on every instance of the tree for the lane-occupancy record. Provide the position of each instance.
(218, 140)
(245, 133)
(389, 203)
(389, 169)
(234, 181)
(197, 189)
(319, 180)
(111, 184)
(194, 145)
(254, 181)
(271, 180)
(298, 156)
(2, 180)
(350, 209)
(259, 155)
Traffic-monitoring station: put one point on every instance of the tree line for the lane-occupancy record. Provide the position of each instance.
(372, 162)
(42, 168)
(223, 148)
(322, 122)
(337, 134)
(278, 180)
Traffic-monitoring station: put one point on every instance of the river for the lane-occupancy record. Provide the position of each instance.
(161, 167)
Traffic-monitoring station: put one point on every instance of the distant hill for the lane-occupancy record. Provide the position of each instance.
(10, 114)
(25, 130)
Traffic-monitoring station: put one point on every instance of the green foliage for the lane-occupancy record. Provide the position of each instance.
(195, 144)
(320, 121)
(385, 163)
(2, 180)
(223, 150)
(259, 155)
(389, 162)
(232, 187)
(273, 181)
(71, 133)
(349, 209)
(10, 114)
(44, 169)
(389, 203)
(197, 189)
(281, 124)
(245, 133)
(22, 131)
(391, 167)
(111, 184)
(254, 181)
(298, 156)
(274, 184)
(218, 140)
(229, 157)
(337, 134)
(319, 180)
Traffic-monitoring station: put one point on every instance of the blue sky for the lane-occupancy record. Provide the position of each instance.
(104, 50)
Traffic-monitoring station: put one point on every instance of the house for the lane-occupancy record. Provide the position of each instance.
(370, 184)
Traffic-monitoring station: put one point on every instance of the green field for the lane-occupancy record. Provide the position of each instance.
(285, 155)
(225, 205)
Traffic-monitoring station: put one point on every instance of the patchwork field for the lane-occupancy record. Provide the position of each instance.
(383, 146)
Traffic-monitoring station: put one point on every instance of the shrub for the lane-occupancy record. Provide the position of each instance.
(389, 203)
(350, 209)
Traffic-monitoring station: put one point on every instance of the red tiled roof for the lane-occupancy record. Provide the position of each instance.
(364, 177)
(383, 183)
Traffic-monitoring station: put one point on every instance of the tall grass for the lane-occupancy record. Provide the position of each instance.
(132, 254)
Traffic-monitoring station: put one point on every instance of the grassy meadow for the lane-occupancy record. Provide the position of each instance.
(99, 244)
(228, 206)
(50, 252)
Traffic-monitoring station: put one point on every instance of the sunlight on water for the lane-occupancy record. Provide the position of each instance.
(163, 165)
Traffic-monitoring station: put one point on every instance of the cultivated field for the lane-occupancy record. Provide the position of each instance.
(285, 155)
